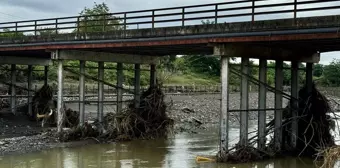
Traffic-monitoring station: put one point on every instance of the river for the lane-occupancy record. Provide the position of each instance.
(178, 151)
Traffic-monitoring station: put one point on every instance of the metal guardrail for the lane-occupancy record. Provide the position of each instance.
(156, 18)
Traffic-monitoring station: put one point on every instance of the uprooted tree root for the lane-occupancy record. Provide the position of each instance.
(243, 154)
(147, 121)
(314, 131)
(330, 157)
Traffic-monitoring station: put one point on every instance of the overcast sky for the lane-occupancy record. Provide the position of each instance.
(13, 10)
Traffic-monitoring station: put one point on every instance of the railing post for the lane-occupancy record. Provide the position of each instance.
(216, 13)
(253, 11)
(35, 28)
(183, 16)
(295, 8)
(16, 28)
(125, 24)
(56, 26)
(153, 19)
(78, 27)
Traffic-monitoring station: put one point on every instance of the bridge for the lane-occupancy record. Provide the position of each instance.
(296, 31)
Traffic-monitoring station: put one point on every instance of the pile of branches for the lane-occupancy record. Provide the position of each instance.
(43, 103)
(330, 157)
(146, 120)
(314, 131)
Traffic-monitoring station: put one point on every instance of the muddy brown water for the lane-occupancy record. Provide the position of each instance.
(178, 151)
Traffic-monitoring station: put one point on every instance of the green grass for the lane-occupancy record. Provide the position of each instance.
(190, 79)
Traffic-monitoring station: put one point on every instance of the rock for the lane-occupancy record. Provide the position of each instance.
(187, 110)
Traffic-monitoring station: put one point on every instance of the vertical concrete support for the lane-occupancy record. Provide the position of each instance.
(46, 75)
(244, 103)
(278, 104)
(120, 78)
(13, 94)
(60, 110)
(224, 126)
(100, 92)
(82, 93)
(137, 85)
(262, 105)
(309, 76)
(29, 92)
(152, 75)
(294, 103)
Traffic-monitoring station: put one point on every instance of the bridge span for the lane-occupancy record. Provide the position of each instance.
(296, 31)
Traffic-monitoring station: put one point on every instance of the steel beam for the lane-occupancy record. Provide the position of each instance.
(224, 116)
(100, 92)
(294, 103)
(82, 93)
(29, 92)
(278, 104)
(309, 76)
(105, 57)
(120, 78)
(152, 75)
(60, 110)
(137, 85)
(25, 60)
(262, 105)
(13, 90)
(244, 103)
(46, 75)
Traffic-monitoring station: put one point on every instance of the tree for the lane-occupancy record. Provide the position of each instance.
(98, 19)
(332, 73)
(318, 70)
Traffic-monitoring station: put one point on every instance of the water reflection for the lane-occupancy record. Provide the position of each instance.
(177, 152)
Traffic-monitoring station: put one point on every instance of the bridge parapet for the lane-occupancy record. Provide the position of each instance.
(256, 16)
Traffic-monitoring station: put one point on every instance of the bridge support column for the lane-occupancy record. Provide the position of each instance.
(244, 102)
(46, 75)
(100, 92)
(294, 102)
(120, 78)
(82, 93)
(13, 89)
(29, 87)
(224, 116)
(60, 106)
(262, 105)
(278, 104)
(309, 76)
(152, 75)
(137, 85)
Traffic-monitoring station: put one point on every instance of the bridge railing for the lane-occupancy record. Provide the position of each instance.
(225, 12)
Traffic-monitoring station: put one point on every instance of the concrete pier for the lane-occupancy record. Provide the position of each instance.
(82, 92)
(100, 115)
(120, 78)
(278, 104)
(60, 108)
(29, 87)
(262, 104)
(294, 102)
(224, 120)
(244, 102)
(137, 85)
(153, 75)
(13, 90)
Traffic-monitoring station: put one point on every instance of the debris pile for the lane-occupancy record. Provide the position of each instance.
(314, 131)
(148, 120)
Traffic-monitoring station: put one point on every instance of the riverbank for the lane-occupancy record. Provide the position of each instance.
(190, 113)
